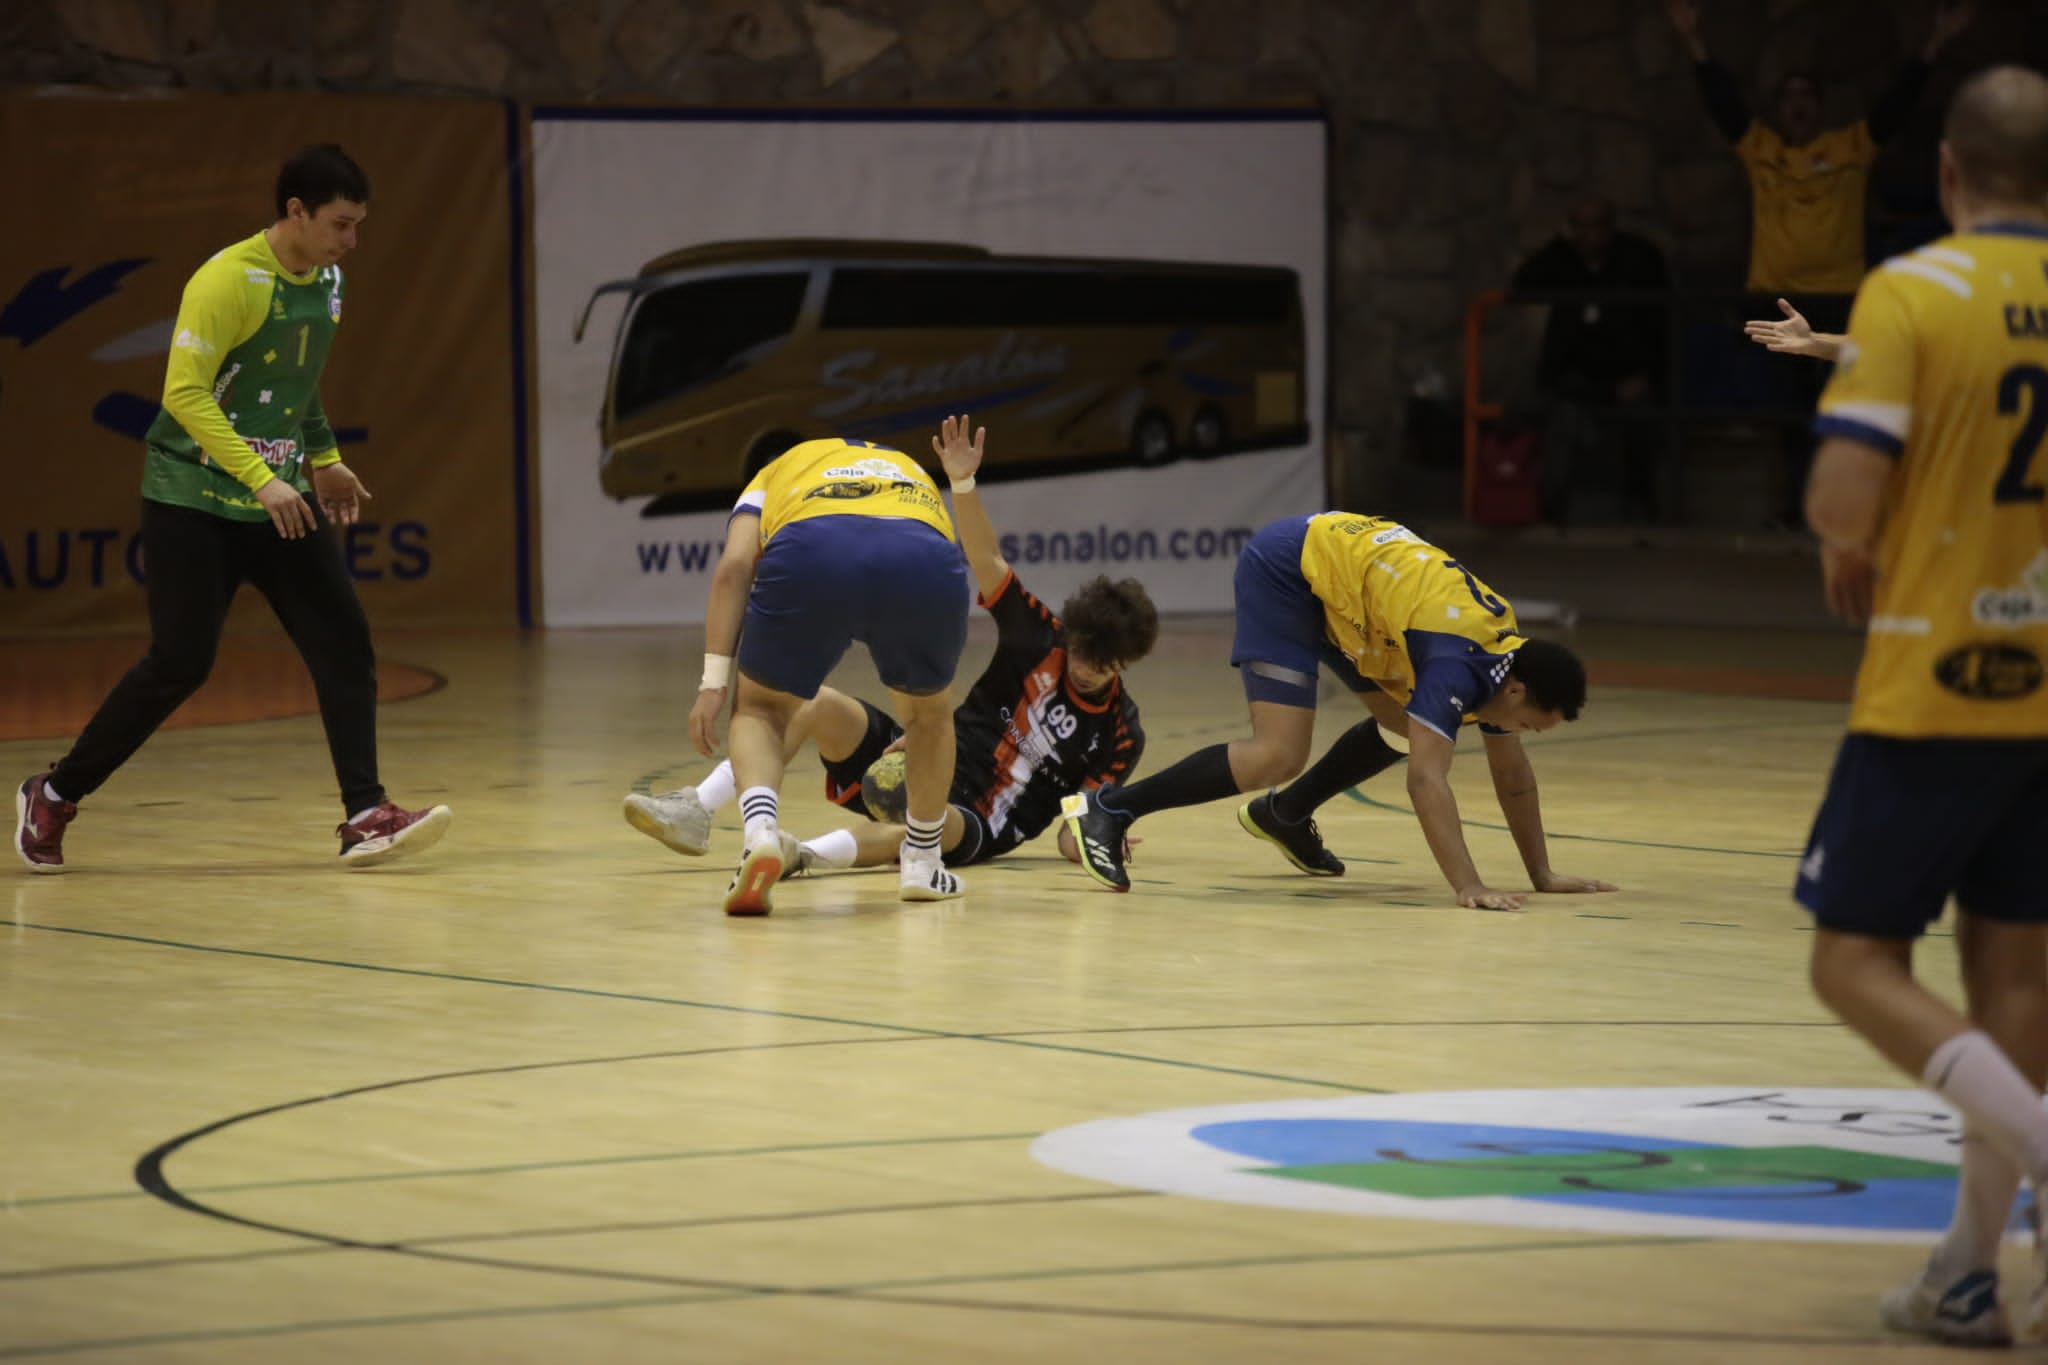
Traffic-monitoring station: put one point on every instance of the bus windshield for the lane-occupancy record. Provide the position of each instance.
(690, 333)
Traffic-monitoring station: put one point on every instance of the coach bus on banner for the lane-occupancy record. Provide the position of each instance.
(727, 354)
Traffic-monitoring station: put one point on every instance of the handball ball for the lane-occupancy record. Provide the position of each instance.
(882, 791)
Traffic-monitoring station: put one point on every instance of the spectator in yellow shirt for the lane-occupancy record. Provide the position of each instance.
(1806, 187)
(1807, 182)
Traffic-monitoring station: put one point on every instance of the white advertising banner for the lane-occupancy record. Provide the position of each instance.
(1132, 305)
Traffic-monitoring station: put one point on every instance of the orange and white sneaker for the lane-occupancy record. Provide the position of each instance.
(389, 832)
(767, 856)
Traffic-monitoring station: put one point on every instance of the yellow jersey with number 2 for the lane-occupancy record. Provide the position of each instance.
(836, 477)
(1409, 617)
(1946, 368)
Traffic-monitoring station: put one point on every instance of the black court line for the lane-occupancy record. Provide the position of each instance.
(1431, 1023)
(1377, 804)
(574, 1230)
(904, 1030)
(883, 1292)
(525, 1167)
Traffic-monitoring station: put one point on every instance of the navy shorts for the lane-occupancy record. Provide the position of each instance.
(897, 586)
(1907, 823)
(843, 778)
(1279, 637)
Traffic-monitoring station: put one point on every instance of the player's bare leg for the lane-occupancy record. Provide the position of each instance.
(760, 720)
(871, 844)
(681, 819)
(928, 747)
(1285, 816)
(1868, 983)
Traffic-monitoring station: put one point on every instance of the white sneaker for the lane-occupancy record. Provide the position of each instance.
(797, 861)
(760, 868)
(676, 818)
(1963, 1312)
(926, 879)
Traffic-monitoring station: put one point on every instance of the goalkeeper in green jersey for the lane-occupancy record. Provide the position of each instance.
(242, 483)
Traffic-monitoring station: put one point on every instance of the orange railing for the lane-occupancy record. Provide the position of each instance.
(1477, 411)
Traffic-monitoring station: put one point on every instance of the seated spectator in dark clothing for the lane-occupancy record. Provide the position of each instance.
(1599, 352)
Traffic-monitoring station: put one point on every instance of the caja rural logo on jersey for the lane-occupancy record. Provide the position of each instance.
(1777, 1164)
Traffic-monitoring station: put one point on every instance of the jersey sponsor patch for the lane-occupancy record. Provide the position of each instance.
(2024, 604)
(1990, 672)
(275, 453)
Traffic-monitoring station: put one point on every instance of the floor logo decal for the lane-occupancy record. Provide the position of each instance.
(1782, 1164)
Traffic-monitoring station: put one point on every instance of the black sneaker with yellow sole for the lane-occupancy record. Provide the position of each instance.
(1302, 843)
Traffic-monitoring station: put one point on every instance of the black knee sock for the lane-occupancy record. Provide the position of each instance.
(1202, 776)
(1360, 753)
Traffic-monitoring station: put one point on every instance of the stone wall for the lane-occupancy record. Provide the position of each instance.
(1461, 128)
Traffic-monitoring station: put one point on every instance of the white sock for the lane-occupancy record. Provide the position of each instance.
(717, 789)
(1984, 1195)
(757, 804)
(50, 792)
(837, 849)
(1971, 1073)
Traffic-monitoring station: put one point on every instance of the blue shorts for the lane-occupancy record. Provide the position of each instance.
(1907, 823)
(897, 586)
(1279, 636)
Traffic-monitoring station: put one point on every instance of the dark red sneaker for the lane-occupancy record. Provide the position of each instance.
(39, 826)
(388, 832)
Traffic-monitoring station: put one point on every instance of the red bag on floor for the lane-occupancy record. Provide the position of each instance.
(1508, 477)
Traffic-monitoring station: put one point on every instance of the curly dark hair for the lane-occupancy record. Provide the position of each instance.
(1111, 623)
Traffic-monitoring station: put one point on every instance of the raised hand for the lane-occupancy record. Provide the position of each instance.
(960, 456)
(1950, 18)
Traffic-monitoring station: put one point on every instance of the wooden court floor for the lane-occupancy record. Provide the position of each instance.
(532, 1098)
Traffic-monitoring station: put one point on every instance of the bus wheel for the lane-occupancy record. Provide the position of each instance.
(1208, 432)
(767, 448)
(1152, 439)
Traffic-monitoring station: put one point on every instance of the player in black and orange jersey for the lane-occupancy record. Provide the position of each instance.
(1930, 495)
(1048, 716)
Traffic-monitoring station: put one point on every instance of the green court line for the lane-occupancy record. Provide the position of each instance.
(676, 1002)
(1376, 804)
(858, 1290)
(515, 1168)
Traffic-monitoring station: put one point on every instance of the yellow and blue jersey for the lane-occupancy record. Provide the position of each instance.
(1806, 229)
(836, 477)
(1946, 368)
(1409, 617)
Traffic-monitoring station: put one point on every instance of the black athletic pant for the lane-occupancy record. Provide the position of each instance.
(195, 562)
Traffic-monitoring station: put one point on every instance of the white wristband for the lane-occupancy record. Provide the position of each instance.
(965, 485)
(717, 671)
